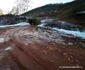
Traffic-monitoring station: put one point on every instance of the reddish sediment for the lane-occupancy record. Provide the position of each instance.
(43, 55)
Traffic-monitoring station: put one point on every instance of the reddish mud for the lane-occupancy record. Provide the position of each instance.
(21, 48)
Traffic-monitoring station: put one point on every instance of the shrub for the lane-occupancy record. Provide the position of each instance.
(34, 21)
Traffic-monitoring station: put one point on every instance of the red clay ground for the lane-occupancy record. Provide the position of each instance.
(20, 51)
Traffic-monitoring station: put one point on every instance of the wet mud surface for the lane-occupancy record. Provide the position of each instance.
(32, 48)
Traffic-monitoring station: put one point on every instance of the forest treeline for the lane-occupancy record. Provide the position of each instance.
(72, 11)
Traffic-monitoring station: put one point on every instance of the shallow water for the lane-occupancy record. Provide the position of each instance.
(18, 24)
(76, 33)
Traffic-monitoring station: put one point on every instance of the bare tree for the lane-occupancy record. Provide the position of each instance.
(1, 12)
(20, 7)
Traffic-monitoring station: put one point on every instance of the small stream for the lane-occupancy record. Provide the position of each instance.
(57, 25)
(63, 27)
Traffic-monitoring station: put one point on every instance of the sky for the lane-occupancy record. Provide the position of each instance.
(6, 5)
(37, 3)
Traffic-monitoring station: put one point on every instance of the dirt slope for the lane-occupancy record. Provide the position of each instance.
(31, 48)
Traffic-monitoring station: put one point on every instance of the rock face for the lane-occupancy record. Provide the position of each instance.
(36, 48)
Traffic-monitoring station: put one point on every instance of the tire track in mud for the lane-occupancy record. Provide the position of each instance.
(24, 61)
(28, 51)
(35, 57)
(33, 53)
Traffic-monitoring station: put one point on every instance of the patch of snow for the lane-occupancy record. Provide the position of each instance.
(70, 43)
(8, 48)
(41, 25)
(82, 12)
(2, 40)
(19, 24)
(75, 33)
(46, 20)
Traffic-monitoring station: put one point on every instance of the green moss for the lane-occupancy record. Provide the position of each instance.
(34, 21)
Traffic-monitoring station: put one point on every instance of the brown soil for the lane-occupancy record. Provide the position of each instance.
(39, 54)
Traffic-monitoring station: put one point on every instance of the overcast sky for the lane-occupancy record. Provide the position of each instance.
(37, 3)
(6, 5)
